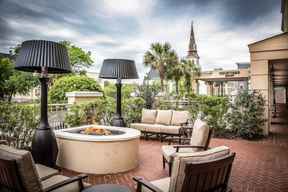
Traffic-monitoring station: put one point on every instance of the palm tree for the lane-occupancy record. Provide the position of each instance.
(191, 70)
(175, 71)
(158, 57)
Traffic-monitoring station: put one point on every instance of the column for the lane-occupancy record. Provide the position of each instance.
(261, 82)
(209, 85)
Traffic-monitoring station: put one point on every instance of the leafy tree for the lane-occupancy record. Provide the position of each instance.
(158, 57)
(110, 90)
(70, 83)
(6, 70)
(14, 82)
(79, 59)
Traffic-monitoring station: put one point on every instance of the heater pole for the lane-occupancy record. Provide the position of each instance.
(118, 121)
(44, 145)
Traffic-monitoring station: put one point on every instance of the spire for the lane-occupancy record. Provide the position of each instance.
(192, 50)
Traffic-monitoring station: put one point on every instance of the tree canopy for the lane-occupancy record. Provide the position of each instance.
(158, 57)
(14, 82)
(79, 59)
(69, 83)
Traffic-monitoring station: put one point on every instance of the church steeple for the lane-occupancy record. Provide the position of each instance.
(192, 50)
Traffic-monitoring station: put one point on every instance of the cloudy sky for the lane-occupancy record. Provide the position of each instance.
(126, 28)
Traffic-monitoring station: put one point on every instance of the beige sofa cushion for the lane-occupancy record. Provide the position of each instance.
(170, 129)
(148, 116)
(162, 184)
(200, 133)
(26, 167)
(179, 117)
(140, 126)
(182, 159)
(154, 128)
(164, 117)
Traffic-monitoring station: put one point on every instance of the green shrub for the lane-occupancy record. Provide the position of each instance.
(132, 109)
(213, 108)
(148, 92)
(19, 121)
(245, 117)
(102, 110)
(93, 112)
(70, 83)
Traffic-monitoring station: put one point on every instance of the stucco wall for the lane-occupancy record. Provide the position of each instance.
(262, 53)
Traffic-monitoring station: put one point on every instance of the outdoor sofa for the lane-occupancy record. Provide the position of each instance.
(162, 123)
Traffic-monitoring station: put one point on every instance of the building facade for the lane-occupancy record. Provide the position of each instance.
(221, 82)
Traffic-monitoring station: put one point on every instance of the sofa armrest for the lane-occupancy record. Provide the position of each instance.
(141, 181)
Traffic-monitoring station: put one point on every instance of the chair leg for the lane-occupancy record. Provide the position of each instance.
(163, 162)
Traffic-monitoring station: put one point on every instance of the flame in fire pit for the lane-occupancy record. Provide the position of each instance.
(96, 131)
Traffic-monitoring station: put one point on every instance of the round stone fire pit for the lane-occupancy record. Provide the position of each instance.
(98, 154)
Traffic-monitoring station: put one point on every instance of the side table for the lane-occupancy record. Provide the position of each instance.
(107, 188)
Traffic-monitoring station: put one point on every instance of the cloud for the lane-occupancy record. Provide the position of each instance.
(126, 28)
(128, 7)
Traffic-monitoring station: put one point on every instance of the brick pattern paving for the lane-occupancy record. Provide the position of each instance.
(260, 166)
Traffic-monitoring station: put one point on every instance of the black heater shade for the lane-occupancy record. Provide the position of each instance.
(36, 54)
(118, 69)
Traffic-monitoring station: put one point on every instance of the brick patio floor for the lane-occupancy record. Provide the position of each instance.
(260, 166)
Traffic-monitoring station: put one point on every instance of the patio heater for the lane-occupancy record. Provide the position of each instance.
(118, 69)
(43, 57)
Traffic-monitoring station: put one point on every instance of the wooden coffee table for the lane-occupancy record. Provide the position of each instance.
(107, 188)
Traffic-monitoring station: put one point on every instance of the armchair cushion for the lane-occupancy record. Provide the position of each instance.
(170, 129)
(162, 184)
(169, 151)
(164, 117)
(73, 187)
(182, 159)
(45, 172)
(179, 117)
(200, 133)
(26, 167)
(148, 116)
